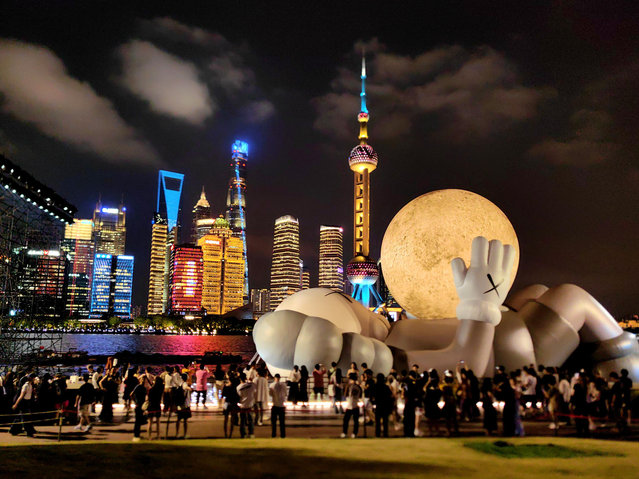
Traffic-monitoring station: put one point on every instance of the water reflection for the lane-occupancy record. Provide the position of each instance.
(165, 344)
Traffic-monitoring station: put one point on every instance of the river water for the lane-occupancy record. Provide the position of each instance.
(109, 344)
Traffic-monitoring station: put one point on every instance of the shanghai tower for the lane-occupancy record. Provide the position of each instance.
(236, 201)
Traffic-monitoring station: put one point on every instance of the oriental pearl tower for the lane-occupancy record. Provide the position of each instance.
(362, 270)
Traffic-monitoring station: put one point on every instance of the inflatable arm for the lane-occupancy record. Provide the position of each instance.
(482, 289)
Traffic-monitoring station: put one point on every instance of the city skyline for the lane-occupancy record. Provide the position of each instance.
(536, 112)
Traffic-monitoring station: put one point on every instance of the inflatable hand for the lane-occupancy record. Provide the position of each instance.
(483, 287)
(319, 325)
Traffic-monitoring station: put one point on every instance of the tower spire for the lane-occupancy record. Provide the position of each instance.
(362, 95)
(362, 117)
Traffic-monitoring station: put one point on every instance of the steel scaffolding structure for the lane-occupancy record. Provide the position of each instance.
(32, 219)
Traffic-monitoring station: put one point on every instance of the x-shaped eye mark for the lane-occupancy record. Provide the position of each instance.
(343, 295)
(494, 287)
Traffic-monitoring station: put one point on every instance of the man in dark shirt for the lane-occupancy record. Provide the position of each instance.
(83, 402)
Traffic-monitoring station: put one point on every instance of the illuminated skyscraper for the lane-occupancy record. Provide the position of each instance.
(42, 285)
(168, 208)
(261, 299)
(159, 239)
(202, 220)
(285, 266)
(79, 248)
(169, 192)
(185, 295)
(305, 276)
(236, 201)
(112, 285)
(223, 276)
(362, 270)
(331, 258)
(109, 229)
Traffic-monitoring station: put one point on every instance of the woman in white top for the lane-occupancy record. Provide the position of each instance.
(261, 395)
(23, 405)
(293, 383)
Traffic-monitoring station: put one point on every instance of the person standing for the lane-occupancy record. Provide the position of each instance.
(278, 410)
(201, 385)
(432, 397)
(303, 392)
(487, 399)
(219, 383)
(318, 381)
(294, 383)
(353, 394)
(23, 405)
(335, 387)
(83, 402)
(109, 388)
(138, 396)
(183, 402)
(230, 400)
(261, 395)
(154, 410)
(383, 399)
(246, 392)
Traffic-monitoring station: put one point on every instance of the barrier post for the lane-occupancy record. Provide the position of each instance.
(59, 425)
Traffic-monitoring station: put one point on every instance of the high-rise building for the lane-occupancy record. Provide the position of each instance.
(202, 220)
(112, 285)
(186, 271)
(32, 217)
(223, 277)
(159, 239)
(305, 276)
(109, 229)
(168, 208)
(169, 192)
(261, 299)
(331, 258)
(79, 248)
(362, 269)
(236, 201)
(43, 282)
(285, 266)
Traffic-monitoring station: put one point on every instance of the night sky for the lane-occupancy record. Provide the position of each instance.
(537, 109)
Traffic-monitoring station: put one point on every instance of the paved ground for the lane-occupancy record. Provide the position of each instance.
(315, 421)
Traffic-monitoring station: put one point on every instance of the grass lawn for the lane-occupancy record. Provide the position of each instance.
(326, 458)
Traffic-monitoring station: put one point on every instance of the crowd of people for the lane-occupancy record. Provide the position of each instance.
(416, 402)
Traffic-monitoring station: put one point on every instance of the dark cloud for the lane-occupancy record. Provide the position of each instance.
(170, 85)
(471, 94)
(37, 89)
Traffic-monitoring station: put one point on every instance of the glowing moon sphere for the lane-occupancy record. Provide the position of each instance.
(425, 236)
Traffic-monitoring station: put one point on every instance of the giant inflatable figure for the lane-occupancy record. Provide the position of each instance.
(536, 325)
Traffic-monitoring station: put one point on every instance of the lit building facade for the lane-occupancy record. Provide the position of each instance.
(236, 201)
(42, 284)
(223, 276)
(109, 229)
(186, 274)
(79, 248)
(159, 238)
(305, 276)
(168, 208)
(362, 270)
(202, 220)
(169, 193)
(261, 301)
(112, 284)
(331, 257)
(285, 266)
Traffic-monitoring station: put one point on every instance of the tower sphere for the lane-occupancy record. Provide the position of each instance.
(362, 158)
(362, 270)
